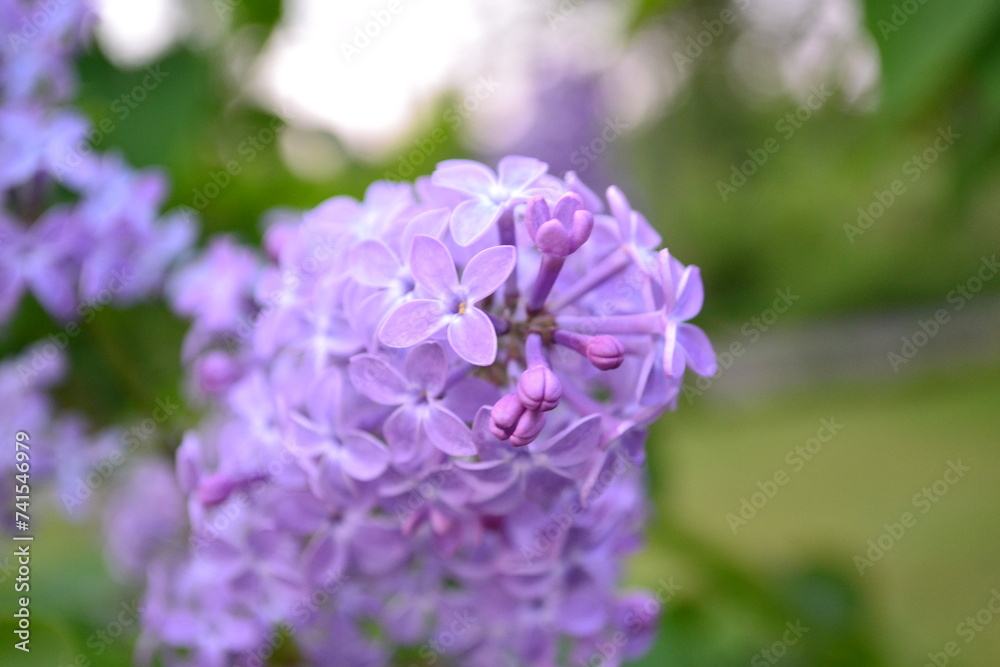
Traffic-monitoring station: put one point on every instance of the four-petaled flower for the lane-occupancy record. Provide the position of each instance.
(421, 416)
(450, 303)
(490, 193)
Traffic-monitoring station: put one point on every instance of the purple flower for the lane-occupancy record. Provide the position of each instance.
(70, 246)
(428, 451)
(421, 418)
(683, 294)
(450, 303)
(334, 452)
(489, 194)
(216, 289)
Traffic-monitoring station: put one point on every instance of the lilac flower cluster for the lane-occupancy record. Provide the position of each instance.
(61, 450)
(425, 427)
(76, 228)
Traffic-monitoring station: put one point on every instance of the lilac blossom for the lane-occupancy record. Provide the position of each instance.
(62, 448)
(401, 395)
(79, 231)
(422, 411)
(108, 242)
(450, 303)
(489, 194)
(421, 419)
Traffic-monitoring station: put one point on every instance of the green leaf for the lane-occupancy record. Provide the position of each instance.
(926, 46)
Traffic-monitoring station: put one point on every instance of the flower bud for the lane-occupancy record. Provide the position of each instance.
(214, 489)
(539, 389)
(505, 415)
(605, 352)
(528, 427)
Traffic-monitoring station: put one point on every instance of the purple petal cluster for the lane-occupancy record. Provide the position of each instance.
(63, 454)
(426, 414)
(78, 230)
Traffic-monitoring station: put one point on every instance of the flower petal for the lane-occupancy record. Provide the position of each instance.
(536, 213)
(485, 272)
(429, 223)
(575, 444)
(402, 432)
(324, 558)
(377, 380)
(517, 172)
(473, 337)
(449, 433)
(432, 267)
(697, 349)
(364, 458)
(412, 322)
(663, 262)
(466, 176)
(372, 263)
(690, 295)
(670, 357)
(567, 205)
(621, 210)
(426, 368)
(472, 219)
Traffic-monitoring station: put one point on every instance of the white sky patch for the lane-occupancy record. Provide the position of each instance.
(361, 70)
(136, 32)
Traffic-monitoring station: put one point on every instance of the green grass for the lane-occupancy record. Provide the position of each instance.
(897, 438)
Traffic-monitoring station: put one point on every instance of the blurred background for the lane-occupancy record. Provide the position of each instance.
(830, 497)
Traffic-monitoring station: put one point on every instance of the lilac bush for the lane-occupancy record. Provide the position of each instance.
(425, 425)
(78, 229)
